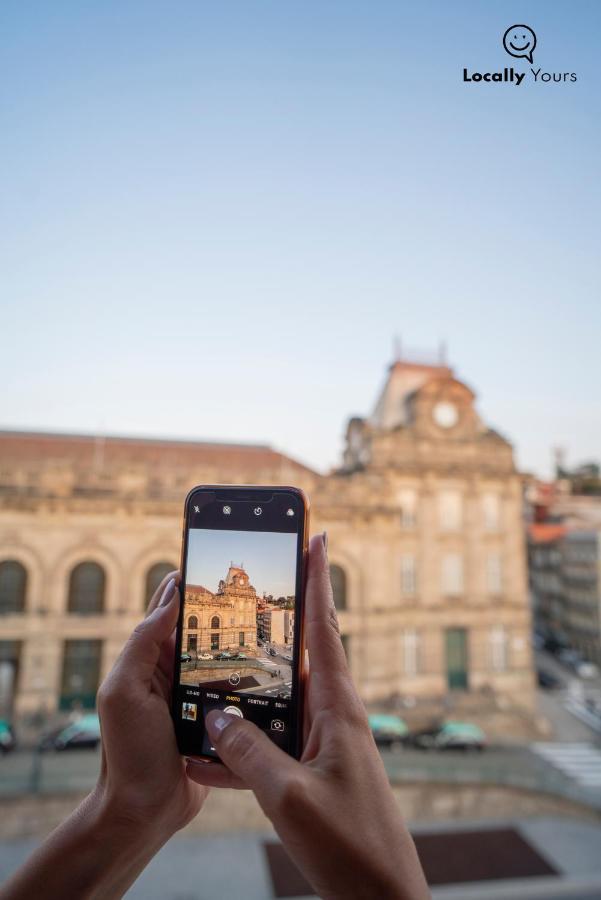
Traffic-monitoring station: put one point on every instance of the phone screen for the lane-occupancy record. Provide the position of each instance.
(239, 638)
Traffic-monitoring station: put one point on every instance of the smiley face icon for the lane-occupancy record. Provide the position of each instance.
(520, 41)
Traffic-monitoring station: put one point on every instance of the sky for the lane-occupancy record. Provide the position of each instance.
(268, 557)
(215, 218)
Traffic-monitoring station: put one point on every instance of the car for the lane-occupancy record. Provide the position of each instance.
(7, 737)
(570, 658)
(450, 736)
(287, 659)
(273, 652)
(223, 655)
(547, 680)
(388, 730)
(81, 734)
(205, 656)
(240, 656)
(185, 657)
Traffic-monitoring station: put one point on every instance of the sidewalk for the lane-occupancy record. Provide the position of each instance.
(209, 868)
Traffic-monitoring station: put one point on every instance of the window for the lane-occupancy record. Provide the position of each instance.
(491, 509)
(498, 649)
(452, 574)
(408, 580)
(494, 575)
(193, 622)
(13, 582)
(215, 641)
(192, 643)
(215, 622)
(154, 576)
(450, 510)
(81, 674)
(338, 579)
(86, 589)
(410, 652)
(10, 653)
(241, 639)
(408, 502)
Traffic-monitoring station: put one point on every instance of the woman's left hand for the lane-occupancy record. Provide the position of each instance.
(143, 776)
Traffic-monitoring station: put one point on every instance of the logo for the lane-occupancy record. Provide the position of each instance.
(520, 41)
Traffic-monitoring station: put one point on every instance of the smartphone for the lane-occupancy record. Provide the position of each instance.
(239, 643)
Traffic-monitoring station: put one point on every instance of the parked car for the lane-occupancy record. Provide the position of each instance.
(240, 656)
(82, 734)
(388, 730)
(451, 736)
(223, 655)
(273, 652)
(546, 680)
(570, 658)
(185, 657)
(7, 737)
(205, 656)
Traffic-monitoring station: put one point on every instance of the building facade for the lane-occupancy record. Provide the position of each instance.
(424, 520)
(226, 620)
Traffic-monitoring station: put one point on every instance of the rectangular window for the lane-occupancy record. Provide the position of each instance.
(498, 649)
(410, 653)
(215, 642)
(241, 639)
(450, 510)
(452, 574)
(408, 504)
(408, 579)
(192, 642)
(494, 574)
(81, 674)
(491, 509)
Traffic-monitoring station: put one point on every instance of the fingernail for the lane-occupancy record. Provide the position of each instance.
(324, 538)
(168, 592)
(217, 722)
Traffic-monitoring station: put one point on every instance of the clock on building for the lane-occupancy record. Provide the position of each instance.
(445, 414)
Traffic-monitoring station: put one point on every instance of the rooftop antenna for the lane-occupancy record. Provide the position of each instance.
(397, 350)
(442, 353)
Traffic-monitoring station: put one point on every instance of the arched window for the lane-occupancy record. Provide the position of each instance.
(215, 623)
(154, 576)
(192, 622)
(338, 579)
(13, 582)
(86, 589)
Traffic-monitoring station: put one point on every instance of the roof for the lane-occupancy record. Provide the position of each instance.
(403, 379)
(105, 451)
(546, 532)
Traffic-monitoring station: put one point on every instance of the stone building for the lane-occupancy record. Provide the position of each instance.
(226, 620)
(426, 546)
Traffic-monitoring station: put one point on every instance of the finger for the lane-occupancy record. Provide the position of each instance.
(156, 597)
(213, 775)
(139, 657)
(326, 653)
(251, 755)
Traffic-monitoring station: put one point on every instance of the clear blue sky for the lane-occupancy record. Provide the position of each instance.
(215, 217)
(269, 559)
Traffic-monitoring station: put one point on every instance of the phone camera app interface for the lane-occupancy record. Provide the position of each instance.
(239, 620)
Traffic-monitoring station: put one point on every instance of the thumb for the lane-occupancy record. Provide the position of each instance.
(250, 754)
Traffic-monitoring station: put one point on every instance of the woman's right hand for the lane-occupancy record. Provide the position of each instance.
(334, 810)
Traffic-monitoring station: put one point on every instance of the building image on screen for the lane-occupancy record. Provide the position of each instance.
(239, 612)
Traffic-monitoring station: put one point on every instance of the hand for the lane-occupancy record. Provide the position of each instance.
(334, 810)
(143, 776)
(143, 794)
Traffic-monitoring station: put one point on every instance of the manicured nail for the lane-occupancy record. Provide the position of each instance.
(217, 722)
(324, 538)
(168, 592)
